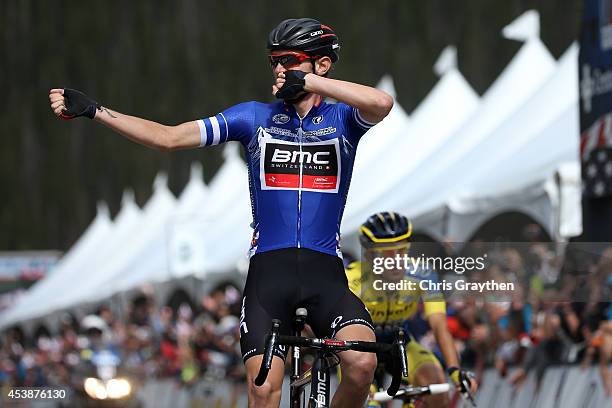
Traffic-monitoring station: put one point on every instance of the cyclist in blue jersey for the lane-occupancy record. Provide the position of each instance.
(300, 153)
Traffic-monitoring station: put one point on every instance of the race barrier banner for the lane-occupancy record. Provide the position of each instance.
(560, 387)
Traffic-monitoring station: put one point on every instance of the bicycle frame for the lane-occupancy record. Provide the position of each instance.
(320, 372)
(318, 376)
(296, 389)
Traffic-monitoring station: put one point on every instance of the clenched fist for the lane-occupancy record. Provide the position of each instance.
(289, 85)
(69, 103)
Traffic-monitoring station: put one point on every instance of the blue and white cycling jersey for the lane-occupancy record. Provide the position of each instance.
(299, 169)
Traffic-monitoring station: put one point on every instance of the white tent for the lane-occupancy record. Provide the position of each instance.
(186, 248)
(385, 134)
(123, 232)
(151, 247)
(141, 249)
(517, 164)
(230, 179)
(36, 301)
(195, 218)
(427, 188)
(227, 224)
(451, 99)
(191, 256)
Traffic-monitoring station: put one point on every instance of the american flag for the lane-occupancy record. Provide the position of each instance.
(596, 154)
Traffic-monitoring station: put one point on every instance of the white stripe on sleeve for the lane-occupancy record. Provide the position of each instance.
(216, 131)
(360, 120)
(226, 129)
(202, 127)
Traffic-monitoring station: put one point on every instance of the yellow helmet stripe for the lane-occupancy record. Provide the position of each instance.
(366, 231)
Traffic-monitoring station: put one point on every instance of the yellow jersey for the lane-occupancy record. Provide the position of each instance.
(397, 305)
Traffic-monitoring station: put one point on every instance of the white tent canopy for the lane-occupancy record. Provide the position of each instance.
(199, 216)
(225, 224)
(36, 301)
(384, 135)
(427, 188)
(548, 119)
(186, 249)
(126, 224)
(157, 268)
(451, 99)
(515, 166)
(140, 247)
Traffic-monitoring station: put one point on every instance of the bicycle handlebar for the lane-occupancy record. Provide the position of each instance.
(274, 339)
(431, 389)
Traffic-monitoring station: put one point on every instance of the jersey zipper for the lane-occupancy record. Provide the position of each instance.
(299, 216)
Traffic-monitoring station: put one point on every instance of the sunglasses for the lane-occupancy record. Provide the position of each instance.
(288, 59)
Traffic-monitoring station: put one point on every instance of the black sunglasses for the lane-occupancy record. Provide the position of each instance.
(287, 59)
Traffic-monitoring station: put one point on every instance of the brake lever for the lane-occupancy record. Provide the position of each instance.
(397, 374)
(266, 362)
(467, 396)
(467, 385)
(402, 353)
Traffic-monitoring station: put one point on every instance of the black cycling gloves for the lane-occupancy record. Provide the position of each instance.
(293, 86)
(461, 378)
(78, 104)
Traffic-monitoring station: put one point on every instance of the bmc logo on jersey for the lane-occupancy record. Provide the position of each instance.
(295, 157)
(283, 163)
(280, 119)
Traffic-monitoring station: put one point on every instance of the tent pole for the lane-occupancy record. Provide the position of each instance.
(559, 206)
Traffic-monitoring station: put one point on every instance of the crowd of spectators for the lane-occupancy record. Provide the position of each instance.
(187, 343)
(558, 312)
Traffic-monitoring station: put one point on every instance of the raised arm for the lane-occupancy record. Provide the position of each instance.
(68, 104)
(373, 105)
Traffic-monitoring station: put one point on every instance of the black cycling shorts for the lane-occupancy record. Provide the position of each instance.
(282, 280)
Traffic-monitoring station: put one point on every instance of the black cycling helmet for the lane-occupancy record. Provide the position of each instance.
(307, 35)
(385, 228)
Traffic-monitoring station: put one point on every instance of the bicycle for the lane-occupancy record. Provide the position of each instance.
(410, 394)
(326, 359)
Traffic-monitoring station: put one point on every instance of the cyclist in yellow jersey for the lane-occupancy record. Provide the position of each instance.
(392, 296)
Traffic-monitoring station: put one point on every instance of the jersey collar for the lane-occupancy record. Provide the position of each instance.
(314, 109)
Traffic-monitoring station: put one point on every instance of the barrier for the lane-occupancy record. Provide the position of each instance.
(561, 387)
